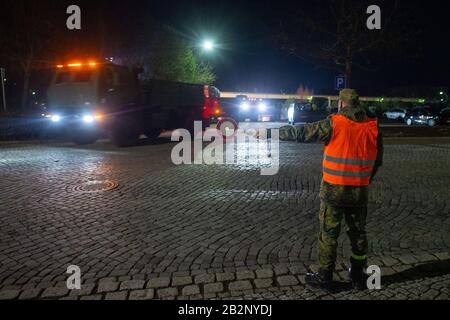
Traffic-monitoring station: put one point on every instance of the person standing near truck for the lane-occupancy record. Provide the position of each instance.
(353, 153)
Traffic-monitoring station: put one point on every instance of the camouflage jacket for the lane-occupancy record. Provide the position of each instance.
(336, 195)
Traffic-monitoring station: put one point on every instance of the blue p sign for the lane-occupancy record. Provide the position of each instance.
(340, 83)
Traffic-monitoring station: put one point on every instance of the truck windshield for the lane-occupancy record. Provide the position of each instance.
(74, 76)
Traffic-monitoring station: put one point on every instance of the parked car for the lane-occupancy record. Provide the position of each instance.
(304, 113)
(422, 116)
(395, 114)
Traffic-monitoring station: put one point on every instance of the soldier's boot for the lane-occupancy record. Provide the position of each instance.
(321, 279)
(357, 275)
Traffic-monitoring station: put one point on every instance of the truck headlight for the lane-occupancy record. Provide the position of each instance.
(88, 118)
(245, 106)
(262, 107)
(55, 118)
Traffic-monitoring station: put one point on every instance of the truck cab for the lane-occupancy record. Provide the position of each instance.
(91, 87)
(82, 94)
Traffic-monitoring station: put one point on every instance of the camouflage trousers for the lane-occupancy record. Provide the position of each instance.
(330, 227)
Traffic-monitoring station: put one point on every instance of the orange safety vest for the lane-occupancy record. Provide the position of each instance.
(350, 156)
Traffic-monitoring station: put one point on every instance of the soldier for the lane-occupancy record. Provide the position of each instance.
(353, 153)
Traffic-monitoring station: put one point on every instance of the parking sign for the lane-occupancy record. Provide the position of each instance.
(340, 83)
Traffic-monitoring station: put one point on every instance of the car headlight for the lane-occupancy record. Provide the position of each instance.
(88, 118)
(245, 106)
(55, 118)
(262, 107)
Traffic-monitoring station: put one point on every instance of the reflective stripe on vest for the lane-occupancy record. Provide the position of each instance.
(350, 156)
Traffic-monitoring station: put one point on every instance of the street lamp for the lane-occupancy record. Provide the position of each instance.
(208, 45)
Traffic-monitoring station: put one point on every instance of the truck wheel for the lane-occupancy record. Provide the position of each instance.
(409, 122)
(431, 123)
(152, 133)
(125, 133)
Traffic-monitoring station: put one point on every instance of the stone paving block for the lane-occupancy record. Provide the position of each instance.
(86, 290)
(240, 285)
(190, 290)
(426, 257)
(205, 278)
(92, 297)
(301, 278)
(181, 281)
(9, 294)
(29, 294)
(287, 280)
(132, 285)
(213, 287)
(281, 270)
(108, 287)
(120, 295)
(296, 270)
(264, 273)
(70, 298)
(167, 292)
(442, 255)
(245, 275)
(158, 282)
(45, 285)
(389, 261)
(108, 280)
(209, 296)
(225, 276)
(386, 271)
(263, 283)
(145, 294)
(55, 292)
(407, 259)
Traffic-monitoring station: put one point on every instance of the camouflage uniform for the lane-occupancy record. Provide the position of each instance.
(338, 201)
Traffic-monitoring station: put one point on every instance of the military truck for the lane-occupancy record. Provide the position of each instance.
(88, 99)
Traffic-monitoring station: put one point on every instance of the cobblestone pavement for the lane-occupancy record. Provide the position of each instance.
(209, 232)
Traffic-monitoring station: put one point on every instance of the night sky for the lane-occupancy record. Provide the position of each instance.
(250, 60)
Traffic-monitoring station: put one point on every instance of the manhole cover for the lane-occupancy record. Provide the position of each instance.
(95, 186)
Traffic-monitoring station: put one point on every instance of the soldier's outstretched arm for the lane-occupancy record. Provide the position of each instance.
(310, 132)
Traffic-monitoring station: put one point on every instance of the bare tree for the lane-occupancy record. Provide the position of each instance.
(334, 33)
(27, 32)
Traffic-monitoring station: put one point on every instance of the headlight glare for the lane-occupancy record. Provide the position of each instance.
(245, 106)
(88, 118)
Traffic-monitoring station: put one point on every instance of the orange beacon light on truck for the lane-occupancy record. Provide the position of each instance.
(77, 65)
